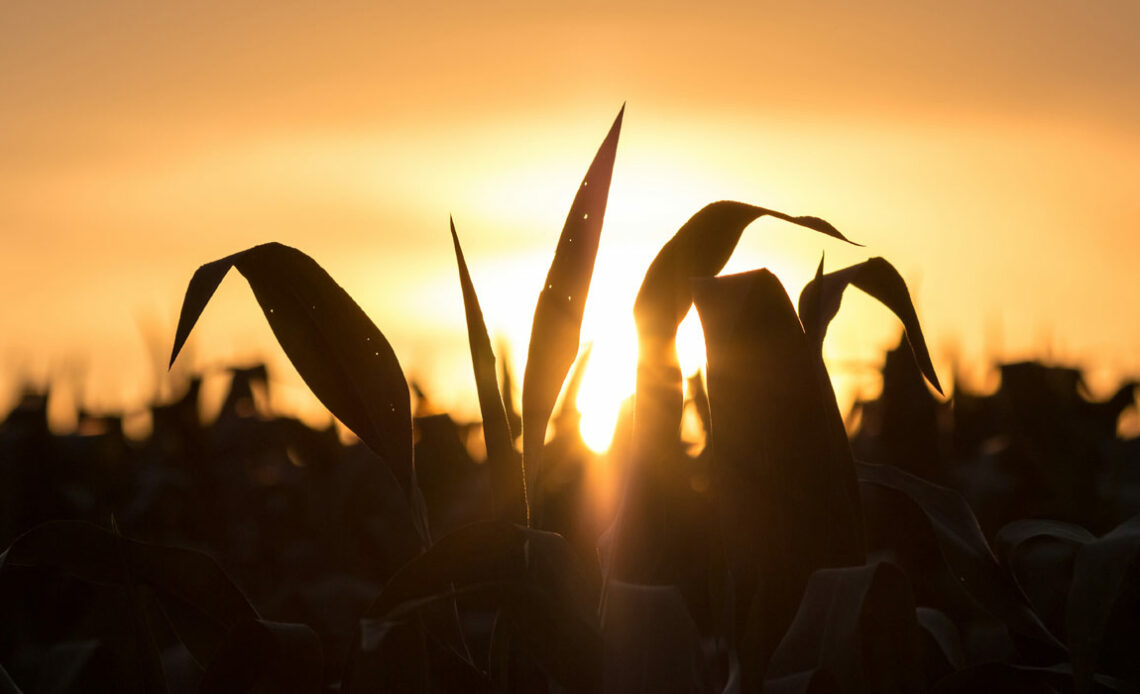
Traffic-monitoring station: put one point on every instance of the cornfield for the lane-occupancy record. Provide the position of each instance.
(996, 554)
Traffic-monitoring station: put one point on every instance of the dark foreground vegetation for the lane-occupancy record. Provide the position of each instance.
(961, 544)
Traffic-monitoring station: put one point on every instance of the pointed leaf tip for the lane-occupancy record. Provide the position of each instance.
(821, 297)
(507, 490)
(558, 314)
(339, 353)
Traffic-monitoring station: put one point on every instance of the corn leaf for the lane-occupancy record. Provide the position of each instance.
(1040, 554)
(858, 625)
(337, 350)
(820, 299)
(1099, 574)
(209, 603)
(531, 576)
(505, 466)
(964, 549)
(557, 321)
(784, 485)
(700, 248)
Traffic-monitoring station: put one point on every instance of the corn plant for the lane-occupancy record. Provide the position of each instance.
(762, 582)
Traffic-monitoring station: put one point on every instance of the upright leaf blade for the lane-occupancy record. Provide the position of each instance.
(339, 352)
(820, 299)
(784, 484)
(506, 471)
(558, 315)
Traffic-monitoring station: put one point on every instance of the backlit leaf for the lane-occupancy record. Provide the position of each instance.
(820, 299)
(503, 459)
(557, 323)
(337, 350)
(783, 482)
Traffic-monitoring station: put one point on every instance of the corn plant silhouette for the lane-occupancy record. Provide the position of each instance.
(797, 568)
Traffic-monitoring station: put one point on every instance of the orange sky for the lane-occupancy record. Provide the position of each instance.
(992, 154)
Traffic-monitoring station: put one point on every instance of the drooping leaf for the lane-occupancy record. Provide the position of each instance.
(784, 484)
(700, 248)
(820, 299)
(209, 603)
(505, 465)
(557, 321)
(942, 643)
(1041, 555)
(964, 548)
(1099, 574)
(260, 656)
(337, 350)
(858, 625)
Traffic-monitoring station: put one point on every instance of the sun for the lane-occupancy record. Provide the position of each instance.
(611, 375)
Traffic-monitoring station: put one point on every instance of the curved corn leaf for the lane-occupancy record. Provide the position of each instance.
(337, 350)
(945, 635)
(266, 657)
(820, 299)
(206, 603)
(700, 248)
(776, 460)
(1009, 539)
(505, 466)
(1040, 554)
(1099, 574)
(558, 315)
(858, 625)
(964, 549)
